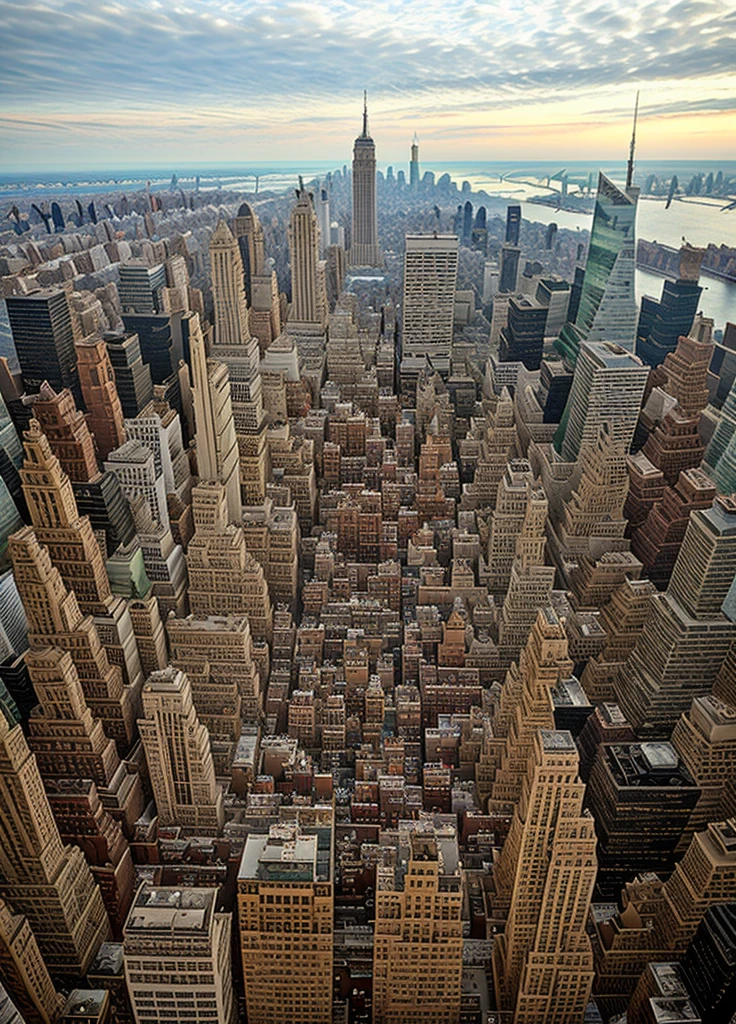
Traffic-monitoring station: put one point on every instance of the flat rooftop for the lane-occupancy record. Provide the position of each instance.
(168, 909)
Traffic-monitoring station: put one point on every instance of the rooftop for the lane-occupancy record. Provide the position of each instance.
(157, 908)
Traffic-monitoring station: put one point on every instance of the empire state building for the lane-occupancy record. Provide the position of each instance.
(364, 251)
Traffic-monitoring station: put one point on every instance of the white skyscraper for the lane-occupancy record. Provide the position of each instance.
(430, 277)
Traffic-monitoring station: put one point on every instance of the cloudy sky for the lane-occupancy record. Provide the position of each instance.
(85, 84)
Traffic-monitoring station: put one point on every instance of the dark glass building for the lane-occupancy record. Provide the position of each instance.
(709, 965)
(522, 340)
(661, 323)
(43, 336)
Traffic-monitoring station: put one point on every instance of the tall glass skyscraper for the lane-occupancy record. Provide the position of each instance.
(607, 309)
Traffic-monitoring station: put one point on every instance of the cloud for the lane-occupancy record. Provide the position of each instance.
(131, 66)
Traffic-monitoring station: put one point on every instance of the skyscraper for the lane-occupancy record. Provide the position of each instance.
(608, 387)
(261, 285)
(50, 883)
(217, 443)
(430, 277)
(543, 962)
(686, 639)
(513, 224)
(75, 551)
(177, 954)
(364, 250)
(228, 288)
(24, 971)
(414, 164)
(97, 382)
(178, 754)
(662, 323)
(522, 339)
(55, 618)
(417, 957)
(285, 918)
(607, 310)
(43, 336)
(308, 289)
(140, 286)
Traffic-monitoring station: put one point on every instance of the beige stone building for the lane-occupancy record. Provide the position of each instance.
(418, 945)
(285, 918)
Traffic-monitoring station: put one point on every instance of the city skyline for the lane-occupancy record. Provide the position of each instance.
(519, 81)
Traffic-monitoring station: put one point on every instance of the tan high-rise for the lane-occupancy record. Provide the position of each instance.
(687, 637)
(97, 380)
(179, 757)
(543, 962)
(55, 618)
(75, 551)
(228, 288)
(69, 742)
(24, 971)
(285, 917)
(364, 251)
(49, 883)
(224, 577)
(308, 293)
(177, 955)
(418, 944)
(217, 443)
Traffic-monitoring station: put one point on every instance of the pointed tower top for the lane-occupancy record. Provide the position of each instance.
(365, 114)
(632, 147)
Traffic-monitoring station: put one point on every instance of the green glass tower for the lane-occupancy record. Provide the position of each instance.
(607, 309)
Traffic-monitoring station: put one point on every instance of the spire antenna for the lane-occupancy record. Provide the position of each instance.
(632, 147)
(365, 114)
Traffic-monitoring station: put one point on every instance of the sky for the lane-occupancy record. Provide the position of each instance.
(85, 84)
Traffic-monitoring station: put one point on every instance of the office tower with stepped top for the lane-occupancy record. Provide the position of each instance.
(656, 542)
(217, 655)
(543, 962)
(687, 637)
(507, 520)
(98, 494)
(705, 739)
(228, 289)
(309, 310)
(224, 577)
(239, 351)
(285, 919)
(24, 970)
(70, 743)
(50, 883)
(623, 618)
(591, 521)
(179, 756)
(523, 705)
(261, 284)
(364, 249)
(217, 443)
(417, 952)
(55, 619)
(75, 552)
(97, 382)
(531, 581)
